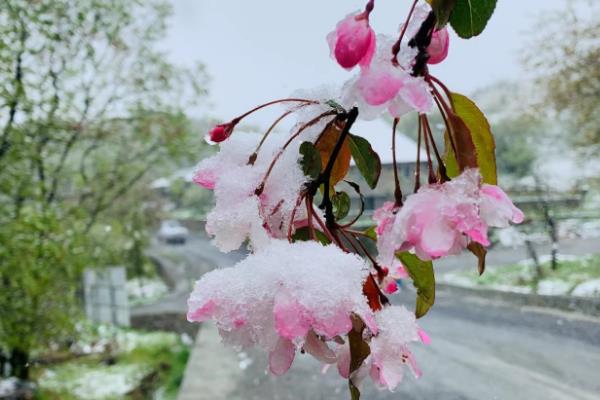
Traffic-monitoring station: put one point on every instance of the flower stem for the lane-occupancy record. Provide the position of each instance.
(396, 46)
(397, 189)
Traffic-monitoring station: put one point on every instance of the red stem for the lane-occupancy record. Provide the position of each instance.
(397, 189)
(270, 103)
(396, 47)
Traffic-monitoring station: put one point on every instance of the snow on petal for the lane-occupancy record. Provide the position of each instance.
(440, 219)
(284, 292)
(389, 349)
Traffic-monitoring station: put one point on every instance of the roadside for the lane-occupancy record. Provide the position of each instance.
(479, 350)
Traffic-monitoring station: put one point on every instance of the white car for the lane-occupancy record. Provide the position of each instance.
(172, 232)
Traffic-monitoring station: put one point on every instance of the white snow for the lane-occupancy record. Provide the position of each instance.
(92, 383)
(588, 289)
(553, 287)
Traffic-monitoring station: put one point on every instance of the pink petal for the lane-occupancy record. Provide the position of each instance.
(205, 178)
(281, 357)
(202, 313)
(380, 85)
(318, 349)
(424, 337)
(343, 364)
(291, 319)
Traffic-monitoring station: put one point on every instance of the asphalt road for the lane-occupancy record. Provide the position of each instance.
(479, 350)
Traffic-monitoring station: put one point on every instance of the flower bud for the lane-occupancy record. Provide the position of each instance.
(220, 132)
(438, 48)
(353, 41)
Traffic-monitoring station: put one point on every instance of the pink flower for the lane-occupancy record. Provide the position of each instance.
(440, 220)
(389, 349)
(353, 41)
(283, 298)
(438, 48)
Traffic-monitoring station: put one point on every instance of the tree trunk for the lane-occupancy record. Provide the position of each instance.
(19, 364)
(534, 257)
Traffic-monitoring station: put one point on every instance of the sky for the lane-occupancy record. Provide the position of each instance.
(255, 51)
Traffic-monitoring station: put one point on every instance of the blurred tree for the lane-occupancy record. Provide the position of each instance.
(564, 55)
(89, 110)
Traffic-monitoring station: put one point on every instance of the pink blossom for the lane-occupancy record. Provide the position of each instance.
(353, 41)
(285, 297)
(438, 48)
(389, 349)
(440, 220)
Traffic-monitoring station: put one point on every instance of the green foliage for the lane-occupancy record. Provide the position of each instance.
(90, 112)
(443, 10)
(563, 53)
(422, 275)
(480, 134)
(469, 17)
(311, 160)
(367, 161)
(41, 255)
(341, 205)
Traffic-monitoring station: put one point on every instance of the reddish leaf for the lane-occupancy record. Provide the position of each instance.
(480, 252)
(371, 291)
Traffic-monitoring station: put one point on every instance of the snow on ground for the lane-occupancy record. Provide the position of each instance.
(553, 287)
(576, 275)
(587, 289)
(145, 290)
(87, 382)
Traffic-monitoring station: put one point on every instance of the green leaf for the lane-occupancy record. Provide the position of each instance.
(341, 204)
(367, 161)
(354, 392)
(303, 235)
(421, 273)
(481, 136)
(370, 233)
(442, 10)
(311, 160)
(469, 17)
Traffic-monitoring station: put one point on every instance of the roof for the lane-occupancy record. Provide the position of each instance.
(379, 133)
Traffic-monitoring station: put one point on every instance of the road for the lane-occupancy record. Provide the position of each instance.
(479, 350)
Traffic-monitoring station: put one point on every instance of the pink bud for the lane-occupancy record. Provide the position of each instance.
(438, 48)
(221, 132)
(353, 41)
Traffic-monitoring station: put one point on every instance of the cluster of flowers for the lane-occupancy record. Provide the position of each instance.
(387, 79)
(288, 296)
(303, 296)
(441, 219)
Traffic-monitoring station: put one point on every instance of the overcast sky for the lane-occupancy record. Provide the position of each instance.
(260, 50)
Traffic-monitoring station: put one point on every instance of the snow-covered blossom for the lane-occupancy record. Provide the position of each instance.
(240, 214)
(441, 219)
(394, 273)
(353, 41)
(438, 48)
(397, 328)
(283, 298)
(389, 349)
